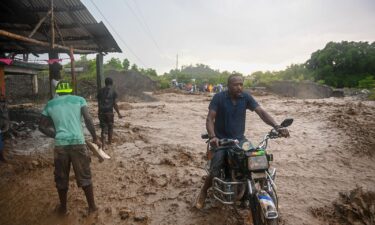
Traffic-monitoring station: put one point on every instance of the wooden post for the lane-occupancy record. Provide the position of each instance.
(52, 27)
(52, 72)
(34, 79)
(99, 71)
(72, 70)
(2, 81)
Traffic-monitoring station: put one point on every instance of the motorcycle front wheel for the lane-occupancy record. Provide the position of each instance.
(259, 218)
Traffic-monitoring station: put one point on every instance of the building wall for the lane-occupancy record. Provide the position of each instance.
(19, 88)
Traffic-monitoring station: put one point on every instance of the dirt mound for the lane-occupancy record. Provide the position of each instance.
(87, 89)
(21, 164)
(258, 91)
(304, 90)
(131, 85)
(170, 90)
(357, 122)
(354, 208)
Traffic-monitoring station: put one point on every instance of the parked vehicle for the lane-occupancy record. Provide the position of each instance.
(247, 180)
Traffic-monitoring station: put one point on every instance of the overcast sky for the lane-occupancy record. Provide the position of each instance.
(233, 35)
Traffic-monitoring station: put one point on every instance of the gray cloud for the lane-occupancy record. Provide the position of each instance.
(236, 35)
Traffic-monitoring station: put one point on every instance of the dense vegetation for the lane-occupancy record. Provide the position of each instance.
(344, 64)
(89, 67)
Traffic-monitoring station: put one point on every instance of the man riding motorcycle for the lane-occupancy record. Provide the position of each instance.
(226, 119)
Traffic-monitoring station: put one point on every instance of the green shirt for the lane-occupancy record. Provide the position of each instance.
(65, 111)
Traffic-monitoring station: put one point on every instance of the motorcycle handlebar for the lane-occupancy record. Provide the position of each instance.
(204, 136)
(226, 141)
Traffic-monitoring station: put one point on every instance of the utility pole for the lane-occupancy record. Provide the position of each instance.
(177, 62)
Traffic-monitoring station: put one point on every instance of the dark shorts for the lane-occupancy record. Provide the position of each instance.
(106, 120)
(79, 157)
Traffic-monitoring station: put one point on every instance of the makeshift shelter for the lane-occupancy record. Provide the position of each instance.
(51, 26)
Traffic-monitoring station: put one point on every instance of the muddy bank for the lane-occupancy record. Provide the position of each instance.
(303, 90)
(356, 120)
(158, 163)
(352, 208)
(130, 86)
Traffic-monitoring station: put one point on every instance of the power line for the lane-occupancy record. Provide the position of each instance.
(119, 36)
(143, 24)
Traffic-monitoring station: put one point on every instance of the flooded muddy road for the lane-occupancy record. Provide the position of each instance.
(158, 163)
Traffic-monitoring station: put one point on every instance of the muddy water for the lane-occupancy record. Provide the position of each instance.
(157, 166)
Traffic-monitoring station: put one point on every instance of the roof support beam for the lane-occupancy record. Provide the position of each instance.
(68, 9)
(40, 43)
(40, 23)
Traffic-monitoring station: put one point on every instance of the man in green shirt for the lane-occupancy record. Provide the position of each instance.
(61, 120)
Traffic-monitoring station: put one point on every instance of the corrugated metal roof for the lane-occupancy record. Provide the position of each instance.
(77, 26)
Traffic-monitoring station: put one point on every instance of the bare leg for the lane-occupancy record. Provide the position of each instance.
(203, 194)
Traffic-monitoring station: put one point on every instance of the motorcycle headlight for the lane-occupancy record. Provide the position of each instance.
(246, 146)
(257, 163)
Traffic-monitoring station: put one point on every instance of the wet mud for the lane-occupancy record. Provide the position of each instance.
(158, 159)
(354, 207)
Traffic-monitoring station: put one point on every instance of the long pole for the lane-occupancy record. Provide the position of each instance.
(7, 34)
(72, 70)
(52, 27)
(177, 62)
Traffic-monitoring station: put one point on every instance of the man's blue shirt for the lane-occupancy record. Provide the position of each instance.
(230, 119)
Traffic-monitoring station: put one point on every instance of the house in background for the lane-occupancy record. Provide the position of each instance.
(53, 27)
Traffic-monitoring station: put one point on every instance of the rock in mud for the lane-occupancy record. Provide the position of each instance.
(108, 210)
(166, 161)
(124, 213)
(127, 124)
(140, 218)
(35, 163)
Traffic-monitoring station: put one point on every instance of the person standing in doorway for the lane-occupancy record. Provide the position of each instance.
(107, 101)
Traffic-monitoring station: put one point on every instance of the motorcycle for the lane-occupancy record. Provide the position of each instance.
(247, 180)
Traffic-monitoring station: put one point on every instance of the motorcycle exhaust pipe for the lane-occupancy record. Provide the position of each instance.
(267, 205)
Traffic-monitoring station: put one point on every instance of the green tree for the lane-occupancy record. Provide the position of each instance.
(150, 72)
(343, 64)
(113, 64)
(125, 64)
(88, 65)
(368, 82)
(134, 68)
